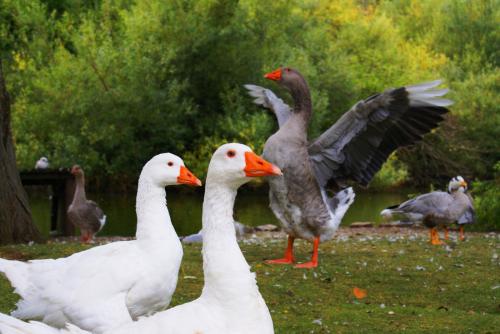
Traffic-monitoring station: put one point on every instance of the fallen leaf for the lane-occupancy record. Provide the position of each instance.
(359, 293)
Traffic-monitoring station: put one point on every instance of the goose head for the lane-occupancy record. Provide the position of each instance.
(457, 184)
(76, 170)
(295, 83)
(168, 169)
(286, 77)
(235, 164)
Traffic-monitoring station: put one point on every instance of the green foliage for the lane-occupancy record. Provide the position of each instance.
(487, 202)
(392, 174)
(109, 83)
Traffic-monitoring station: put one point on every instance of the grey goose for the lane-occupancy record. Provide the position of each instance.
(83, 213)
(438, 208)
(352, 149)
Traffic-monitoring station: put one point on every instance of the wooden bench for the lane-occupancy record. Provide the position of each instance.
(62, 183)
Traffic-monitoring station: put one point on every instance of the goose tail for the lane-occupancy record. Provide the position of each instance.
(338, 204)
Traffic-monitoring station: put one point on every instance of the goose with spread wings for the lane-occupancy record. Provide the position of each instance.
(352, 149)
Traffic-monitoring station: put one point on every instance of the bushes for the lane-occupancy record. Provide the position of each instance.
(487, 202)
(110, 83)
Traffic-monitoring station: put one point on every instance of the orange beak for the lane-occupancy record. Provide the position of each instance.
(256, 166)
(274, 75)
(463, 184)
(186, 177)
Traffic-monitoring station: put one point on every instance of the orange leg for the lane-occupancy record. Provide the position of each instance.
(462, 236)
(446, 233)
(86, 237)
(435, 237)
(314, 259)
(288, 258)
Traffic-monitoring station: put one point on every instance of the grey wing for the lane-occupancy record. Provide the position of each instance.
(266, 98)
(432, 203)
(469, 216)
(94, 216)
(357, 145)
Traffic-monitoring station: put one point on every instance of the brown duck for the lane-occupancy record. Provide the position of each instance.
(83, 213)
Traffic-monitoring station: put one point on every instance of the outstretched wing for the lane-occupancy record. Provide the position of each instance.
(266, 98)
(357, 145)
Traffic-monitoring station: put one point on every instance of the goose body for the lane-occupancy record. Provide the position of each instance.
(113, 284)
(354, 148)
(437, 208)
(296, 199)
(230, 301)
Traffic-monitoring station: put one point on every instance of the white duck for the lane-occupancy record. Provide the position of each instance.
(114, 284)
(230, 301)
(42, 163)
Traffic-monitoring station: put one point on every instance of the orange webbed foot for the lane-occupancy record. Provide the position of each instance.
(281, 261)
(307, 265)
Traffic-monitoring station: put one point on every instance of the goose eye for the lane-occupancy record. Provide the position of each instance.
(170, 163)
(231, 153)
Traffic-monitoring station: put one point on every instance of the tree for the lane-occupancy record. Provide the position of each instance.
(16, 224)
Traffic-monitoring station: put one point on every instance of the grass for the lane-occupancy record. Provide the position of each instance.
(412, 287)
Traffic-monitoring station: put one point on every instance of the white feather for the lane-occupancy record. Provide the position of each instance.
(423, 86)
(428, 94)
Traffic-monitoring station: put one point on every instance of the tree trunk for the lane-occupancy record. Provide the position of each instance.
(16, 224)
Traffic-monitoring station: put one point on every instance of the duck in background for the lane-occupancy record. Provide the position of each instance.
(42, 163)
(437, 208)
(352, 149)
(83, 213)
(114, 284)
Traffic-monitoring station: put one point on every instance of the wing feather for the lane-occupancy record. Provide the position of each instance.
(266, 98)
(359, 143)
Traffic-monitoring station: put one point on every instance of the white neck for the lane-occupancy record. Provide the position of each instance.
(227, 273)
(153, 219)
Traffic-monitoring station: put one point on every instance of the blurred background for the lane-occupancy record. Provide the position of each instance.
(108, 84)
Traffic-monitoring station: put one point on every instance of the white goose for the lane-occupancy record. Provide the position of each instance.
(114, 284)
(230, 301)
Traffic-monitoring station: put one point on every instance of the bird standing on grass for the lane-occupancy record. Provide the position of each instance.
(438, 208)
(109, 285)
(354, 148)
(83, 213)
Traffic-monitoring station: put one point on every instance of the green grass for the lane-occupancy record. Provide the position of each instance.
(456, 291)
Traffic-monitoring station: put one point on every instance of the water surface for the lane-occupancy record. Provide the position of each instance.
(185, 209)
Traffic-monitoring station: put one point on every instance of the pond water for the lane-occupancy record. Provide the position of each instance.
(185, 209)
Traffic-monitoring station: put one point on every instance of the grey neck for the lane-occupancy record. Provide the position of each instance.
(79, 195)
(302, 99)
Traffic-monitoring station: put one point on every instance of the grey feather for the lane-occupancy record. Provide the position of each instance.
(357, 145)
(267, 99)
(434, 208)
